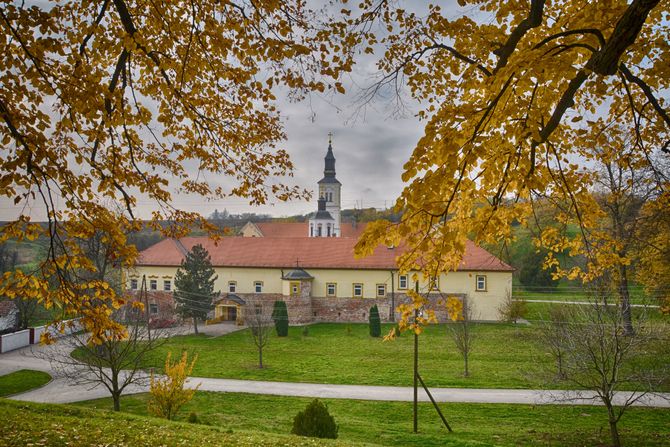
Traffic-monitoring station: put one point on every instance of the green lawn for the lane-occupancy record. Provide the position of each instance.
(29, 424)
(21, 381)
(390, 423)
(504, 356)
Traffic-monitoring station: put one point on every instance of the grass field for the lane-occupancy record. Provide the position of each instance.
(29, 424)
(22, 380)
(390, 423)
(504, 356)
(573, 291)
(341, 353)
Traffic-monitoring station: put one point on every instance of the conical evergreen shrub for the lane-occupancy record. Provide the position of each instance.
(315, 421)
(280, 317)
(375, 322)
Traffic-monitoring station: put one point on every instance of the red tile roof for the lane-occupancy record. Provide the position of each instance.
(301, 229)
(308, 252)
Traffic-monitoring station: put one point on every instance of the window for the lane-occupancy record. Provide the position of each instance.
(311, 230)
(232, 286)
(381, 290)
(153, 284)
(319, 231)
(153, 308)
(358, 290)
(481, 283)
(331, 289)
(167, 285)
(433, 284)
(258, 286)
(402, 281)
(295, 288)
(328, 230)
(133, 284)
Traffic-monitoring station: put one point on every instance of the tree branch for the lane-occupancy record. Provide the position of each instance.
(533, 20)
(606, 62)
(647, 91)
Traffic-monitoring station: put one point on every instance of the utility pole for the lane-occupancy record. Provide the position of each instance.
(418, 378)
(392, 313)
(416, 365)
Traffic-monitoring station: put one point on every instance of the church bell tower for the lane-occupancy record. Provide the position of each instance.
(329, 199)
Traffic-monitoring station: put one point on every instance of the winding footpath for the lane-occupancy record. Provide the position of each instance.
(59, 391)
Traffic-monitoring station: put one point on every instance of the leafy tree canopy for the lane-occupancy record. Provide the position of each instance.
(117, 100)
(518, 100)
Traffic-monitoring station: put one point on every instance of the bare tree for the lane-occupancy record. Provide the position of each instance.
(597, 354)
(553, 335)
(114, 363)
(462, 334)
(258, 316)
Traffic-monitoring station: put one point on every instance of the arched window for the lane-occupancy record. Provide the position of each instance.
(319, 230)
(311, 230)
(328, 230)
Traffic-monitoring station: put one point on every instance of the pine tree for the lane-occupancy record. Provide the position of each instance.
(194, 284)
(375, 322)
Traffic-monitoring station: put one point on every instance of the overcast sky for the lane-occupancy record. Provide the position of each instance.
(370, 151)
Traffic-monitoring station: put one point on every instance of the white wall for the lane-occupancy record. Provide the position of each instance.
(15, 340)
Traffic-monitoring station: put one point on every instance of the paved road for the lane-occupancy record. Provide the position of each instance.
(58, 391)
(585, 303)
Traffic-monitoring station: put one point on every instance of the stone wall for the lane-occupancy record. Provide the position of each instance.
(163, 300)
(304, 309)
(354, 310)
(9, 316)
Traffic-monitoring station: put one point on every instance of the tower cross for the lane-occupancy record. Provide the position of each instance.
(330, 138)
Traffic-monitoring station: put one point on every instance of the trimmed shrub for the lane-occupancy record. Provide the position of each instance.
(280, 317)
(315, 421)
(375, 322)
(193, 418)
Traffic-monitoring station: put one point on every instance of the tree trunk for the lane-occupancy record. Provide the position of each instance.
(116, 397)
(260, 357)
(467, 371)
(624, 301)
(614, 432)
(195, 325)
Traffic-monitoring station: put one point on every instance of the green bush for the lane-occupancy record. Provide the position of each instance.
(315, 421)
(280, 317)
(193, 418)
(375, 322)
